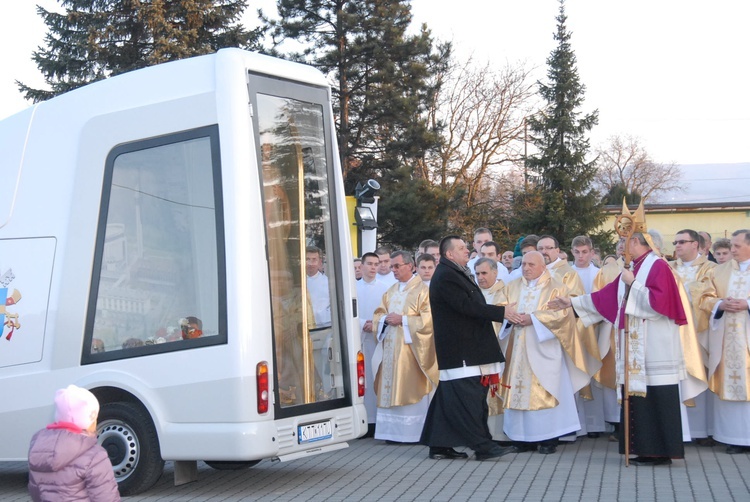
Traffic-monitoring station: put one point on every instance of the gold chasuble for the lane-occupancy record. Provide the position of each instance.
(531, 380)
(566, 274)
(729, 339)
(408, 370)
(606, 330)
(697, 278)
(587, 336)
(494, 296)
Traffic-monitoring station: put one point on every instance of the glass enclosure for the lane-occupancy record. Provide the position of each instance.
(301, 255)
(159, 260)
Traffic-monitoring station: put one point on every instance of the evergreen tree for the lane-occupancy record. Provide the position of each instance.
(385, 81)
(563, 202)
(617, 193)
(95, 39)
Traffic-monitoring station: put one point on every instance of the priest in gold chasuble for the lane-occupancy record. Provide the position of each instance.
(729, 348)
(486, 273)
(405, 363)
(696, 274)
(545, 362)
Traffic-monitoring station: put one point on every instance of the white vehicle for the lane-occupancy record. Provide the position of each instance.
(153, 237)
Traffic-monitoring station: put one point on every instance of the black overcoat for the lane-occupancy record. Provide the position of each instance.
(462, 320)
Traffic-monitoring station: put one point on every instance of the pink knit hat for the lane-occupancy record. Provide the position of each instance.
(76, 405)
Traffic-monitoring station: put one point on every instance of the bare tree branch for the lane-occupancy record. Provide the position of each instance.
(481, 111)
(624, 161)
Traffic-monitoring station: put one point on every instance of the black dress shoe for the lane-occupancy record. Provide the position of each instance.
(370, 431)
(704, 442)
(651, 461)
(524, 447)
(446, 453)
(546, 449)
(593, 435)
(495, 453)
(734, 449)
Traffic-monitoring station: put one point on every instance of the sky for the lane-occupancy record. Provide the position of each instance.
(673, 73)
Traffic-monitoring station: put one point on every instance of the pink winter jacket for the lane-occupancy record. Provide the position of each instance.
(69, 466)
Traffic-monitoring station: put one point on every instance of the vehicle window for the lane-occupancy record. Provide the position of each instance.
(157, 282)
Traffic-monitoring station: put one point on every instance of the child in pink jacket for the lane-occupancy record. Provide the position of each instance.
(65, 461)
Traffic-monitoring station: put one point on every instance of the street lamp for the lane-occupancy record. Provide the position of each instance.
(365, 215)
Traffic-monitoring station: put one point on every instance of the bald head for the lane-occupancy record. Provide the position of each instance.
(532, 265)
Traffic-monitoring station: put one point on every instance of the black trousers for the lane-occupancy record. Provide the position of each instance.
(458, 416)
(655, 423)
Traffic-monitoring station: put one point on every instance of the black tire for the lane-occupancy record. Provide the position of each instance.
(231, 465)
(128, 434)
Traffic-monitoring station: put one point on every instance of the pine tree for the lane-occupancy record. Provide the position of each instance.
(381, 74)
(563, 202)
(95, 39)
(384, 84)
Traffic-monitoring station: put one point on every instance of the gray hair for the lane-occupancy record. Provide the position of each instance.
(405, 255)
(481, 261)
(657, 238)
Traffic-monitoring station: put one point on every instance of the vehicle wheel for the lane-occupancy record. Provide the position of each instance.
(128, 434)
(227, 465)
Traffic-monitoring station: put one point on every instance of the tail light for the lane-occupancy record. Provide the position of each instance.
(360, 374)
(262, 382)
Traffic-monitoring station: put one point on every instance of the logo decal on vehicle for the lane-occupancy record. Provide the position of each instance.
(8, 321)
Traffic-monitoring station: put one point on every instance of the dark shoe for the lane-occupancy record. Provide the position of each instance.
(446, 453)
(734, 449)
(495, 453)
(651, 461)
(524, 447)
(546, 449)
(593, 435)
(704, 442)
(370, 431)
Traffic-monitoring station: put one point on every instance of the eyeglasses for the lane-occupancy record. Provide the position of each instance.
(680, 242)
(546, 249)
(396, 266)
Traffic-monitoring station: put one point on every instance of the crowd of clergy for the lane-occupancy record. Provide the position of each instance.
(580, 339)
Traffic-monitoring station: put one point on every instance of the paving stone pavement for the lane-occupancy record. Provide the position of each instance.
(371, 470)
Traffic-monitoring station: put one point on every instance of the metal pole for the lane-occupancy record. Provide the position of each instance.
(525, 154)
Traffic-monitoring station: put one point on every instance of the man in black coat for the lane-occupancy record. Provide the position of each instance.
(469, 358)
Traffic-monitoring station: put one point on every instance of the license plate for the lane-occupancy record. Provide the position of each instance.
(318, 431)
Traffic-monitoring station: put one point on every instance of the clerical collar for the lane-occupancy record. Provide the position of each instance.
(688, 263)
(532, 282)
(551, 265)
(744, 264)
